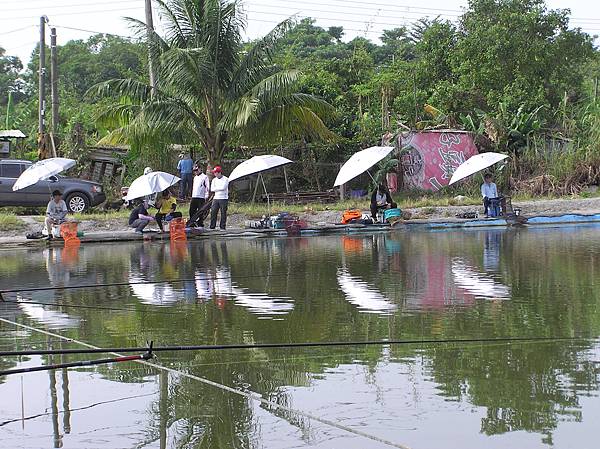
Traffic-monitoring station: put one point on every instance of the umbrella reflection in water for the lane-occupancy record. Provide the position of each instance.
(479, 284)
(362, 295)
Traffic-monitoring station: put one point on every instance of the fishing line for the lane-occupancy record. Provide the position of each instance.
(85, 407)
(247, 394)
(96, 350)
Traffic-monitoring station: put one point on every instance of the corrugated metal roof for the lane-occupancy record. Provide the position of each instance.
(12, 134)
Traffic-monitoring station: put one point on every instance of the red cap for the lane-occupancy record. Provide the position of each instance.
(217, 169)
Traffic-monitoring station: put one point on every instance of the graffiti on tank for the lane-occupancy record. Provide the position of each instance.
(412, 162)
(433, 157)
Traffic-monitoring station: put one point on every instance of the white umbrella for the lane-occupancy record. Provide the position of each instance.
(43, 169)
(257, 164)
(360, 162)
(476, 164)
(153, 182)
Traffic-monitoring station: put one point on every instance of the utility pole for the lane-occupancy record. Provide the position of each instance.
(54, 88)
(149, 33)
(42, 88)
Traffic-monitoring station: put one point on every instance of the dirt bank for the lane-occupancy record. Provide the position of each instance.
(529, 208)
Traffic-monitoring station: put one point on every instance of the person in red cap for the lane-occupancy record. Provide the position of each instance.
(220, 187)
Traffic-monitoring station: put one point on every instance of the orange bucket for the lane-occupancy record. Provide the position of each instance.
(68, 231)
(177, 230)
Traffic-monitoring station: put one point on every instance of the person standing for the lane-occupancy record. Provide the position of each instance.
(185, 166)
(200, 189)
(56, 212)
(489, 191)
(220, 188)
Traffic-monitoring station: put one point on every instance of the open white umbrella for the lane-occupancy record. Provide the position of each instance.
(476, 164)
(153, 182)
(360, 162)
(41, 170)
(258, 164)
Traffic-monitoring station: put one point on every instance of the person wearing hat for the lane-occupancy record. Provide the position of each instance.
(56, 212)
(220, 188)
(185, 166)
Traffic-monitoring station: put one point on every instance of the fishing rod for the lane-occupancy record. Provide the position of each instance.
(129, 358)
(289, 345)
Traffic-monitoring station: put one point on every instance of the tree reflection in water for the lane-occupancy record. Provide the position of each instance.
(499, 283)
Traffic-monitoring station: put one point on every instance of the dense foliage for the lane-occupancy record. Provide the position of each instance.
(512, 71)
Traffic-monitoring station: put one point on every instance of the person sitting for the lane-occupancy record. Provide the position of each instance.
(56, 212)
(167, 209)
(139, 217)
(491, 199)
(380, 199)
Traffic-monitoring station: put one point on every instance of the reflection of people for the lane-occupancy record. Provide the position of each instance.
(184, 166)
(139, 217)
(220, 187)
(380, 199)
(167, 205)
(200, 189)
(56, 212)
(489, 191)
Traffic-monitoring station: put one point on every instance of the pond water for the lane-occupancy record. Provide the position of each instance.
(404, 286)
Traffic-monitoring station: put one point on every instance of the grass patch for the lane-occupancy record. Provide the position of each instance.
(9, 222)
(103, 216)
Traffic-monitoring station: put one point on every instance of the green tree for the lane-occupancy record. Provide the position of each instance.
(518, 52)
(10, 81)
(211, 89)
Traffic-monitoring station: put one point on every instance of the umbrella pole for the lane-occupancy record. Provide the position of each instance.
(373, 179)
(266, 193)
(255, 189)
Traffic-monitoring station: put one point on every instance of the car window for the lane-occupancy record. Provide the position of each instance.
(11, 170)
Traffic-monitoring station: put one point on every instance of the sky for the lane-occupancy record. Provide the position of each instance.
(79, 19)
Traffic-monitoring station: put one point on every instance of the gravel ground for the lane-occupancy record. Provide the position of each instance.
(529, 208)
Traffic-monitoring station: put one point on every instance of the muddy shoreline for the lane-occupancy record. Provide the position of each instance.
(543, 207)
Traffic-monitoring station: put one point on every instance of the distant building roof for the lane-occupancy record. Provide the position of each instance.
(12, 134)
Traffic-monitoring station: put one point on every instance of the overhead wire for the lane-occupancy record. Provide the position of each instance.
(52, 7)
(64, 27)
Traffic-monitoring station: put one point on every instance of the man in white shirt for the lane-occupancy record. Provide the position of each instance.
(489, 191)
(200, 189)
(56, 212)
(220, 188)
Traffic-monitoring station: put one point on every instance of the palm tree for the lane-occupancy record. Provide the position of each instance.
(211, 88)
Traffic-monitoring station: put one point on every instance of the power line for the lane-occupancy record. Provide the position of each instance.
(17, 30)
(75, 13)
(77, 5)
(64, 27)
(370, 4)
(361, 14)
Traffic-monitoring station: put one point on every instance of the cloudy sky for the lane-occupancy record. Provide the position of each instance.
(78, 19)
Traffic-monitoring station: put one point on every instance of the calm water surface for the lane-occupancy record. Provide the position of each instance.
(447, 285)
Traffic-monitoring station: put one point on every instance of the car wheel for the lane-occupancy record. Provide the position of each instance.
(77, 202)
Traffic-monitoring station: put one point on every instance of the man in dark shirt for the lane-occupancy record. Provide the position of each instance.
(139, 217)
